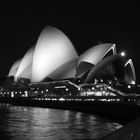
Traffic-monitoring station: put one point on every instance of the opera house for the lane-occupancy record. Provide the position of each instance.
(53, 65)
(53, 75)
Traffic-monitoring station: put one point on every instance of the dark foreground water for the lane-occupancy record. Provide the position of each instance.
(30, 123)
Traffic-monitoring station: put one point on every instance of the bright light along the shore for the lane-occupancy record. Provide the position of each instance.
(123, 54)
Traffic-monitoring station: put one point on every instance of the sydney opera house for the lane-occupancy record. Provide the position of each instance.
(53, 67)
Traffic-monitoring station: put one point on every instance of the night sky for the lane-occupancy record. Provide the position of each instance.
(20, 28)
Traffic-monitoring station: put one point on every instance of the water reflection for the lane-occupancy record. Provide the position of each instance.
(27, 123)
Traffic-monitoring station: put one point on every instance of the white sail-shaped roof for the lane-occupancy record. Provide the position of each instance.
(110, 66)
(97, 53)
(130, 75)
(27, 72)
(67, 70)
(53, 49)
(25, 63)
(14, 68)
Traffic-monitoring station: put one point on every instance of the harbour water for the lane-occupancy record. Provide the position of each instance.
(32, 123)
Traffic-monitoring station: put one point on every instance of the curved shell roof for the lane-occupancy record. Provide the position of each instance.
(96, 53)
(25, 63)
(67, 70)
(83, 68)
(130, 76)
(119, 71)
(14, 68)
(27, 72)
(53, 49)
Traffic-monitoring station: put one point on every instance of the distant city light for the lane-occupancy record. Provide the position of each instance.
(26, 95)
(129, 86)
(122, 54)
(12, 95)
(133, 82)
(61, 99)
(67, 89)
(109, 87)
(79, 88)
(101, 80)
(60, 87)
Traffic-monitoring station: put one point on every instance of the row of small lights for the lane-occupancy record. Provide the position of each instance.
(26, 92)
(99, 93)
(14, 93)
(62, 99)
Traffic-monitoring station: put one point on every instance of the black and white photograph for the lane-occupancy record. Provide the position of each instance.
(70, 73)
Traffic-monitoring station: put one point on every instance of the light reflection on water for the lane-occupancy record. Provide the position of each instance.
(28, 123)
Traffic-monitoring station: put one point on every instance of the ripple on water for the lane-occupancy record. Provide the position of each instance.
(42, 123)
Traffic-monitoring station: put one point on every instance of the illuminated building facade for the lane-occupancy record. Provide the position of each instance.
(53, 67)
